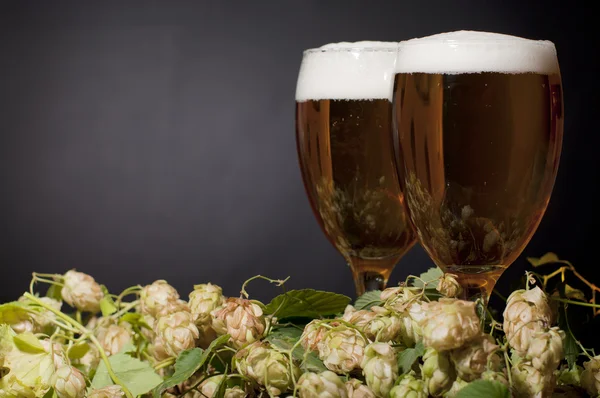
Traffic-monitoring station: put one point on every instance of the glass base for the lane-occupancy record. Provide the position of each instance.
(477, 282)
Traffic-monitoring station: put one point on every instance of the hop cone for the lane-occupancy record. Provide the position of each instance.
(380, 367)
(69, 382)
(112, 391)
(437, 371)
(590, 377)
(204, 299)
(267, 367)
(57, 353)
(114, 337)
(472, 359)
(323, 385)
(81, 291)
(449, 286)
(358, 318)
(546, 349)
(356, 389)
(89, 360)
(406, 302)
(530, 382)
(241, 319)
(313, 335)
(449, 323)
(159, 299)
(384, 326)
(526, 312)
(342, 349)
(177, 332)
(409, 387)
(38, 320)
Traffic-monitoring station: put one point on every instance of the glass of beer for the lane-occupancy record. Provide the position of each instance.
(345, 148)
(478, 121)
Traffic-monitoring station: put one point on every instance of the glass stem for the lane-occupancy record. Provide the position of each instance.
(477, 286)
(371, 274)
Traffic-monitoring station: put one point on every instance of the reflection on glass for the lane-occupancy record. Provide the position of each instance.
(343, 127)
(479, 124)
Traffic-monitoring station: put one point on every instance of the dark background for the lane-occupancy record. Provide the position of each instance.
(146, 140)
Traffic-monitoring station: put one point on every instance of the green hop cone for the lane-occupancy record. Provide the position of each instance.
(472, 359)
(358, 318)
(449, 286)
(384, 326)
(114, 337)
(458, 385)
(342, 349)
(322, 385)
(590, 376)
(69, 382)
(409, 387)
(204, 299)
(380, 367)
(407, 303)
(209, 387)
(526, 312)
(356, 389)
(25, 373)
(449, 323)
(89, 361)
(267, 367)
(545, 349)
(437, 371)
(41, 319)
(530, 382)
(177, 332)
(81, 291)
(159, 299)
(112, 391)
(235, 392)
(241, 319)
(313, 333)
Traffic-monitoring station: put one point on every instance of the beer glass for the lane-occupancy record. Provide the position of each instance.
(478, 121)
(344, 141)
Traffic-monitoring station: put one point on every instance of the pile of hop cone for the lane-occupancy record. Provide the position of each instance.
(414, 340)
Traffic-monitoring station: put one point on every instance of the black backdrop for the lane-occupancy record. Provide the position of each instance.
(144, 140)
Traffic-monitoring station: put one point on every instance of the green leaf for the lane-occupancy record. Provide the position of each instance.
(407, 358)
(484, 388)
(55, 292)
(307, 303)
(187, 364)
(368, 300)
(139, 377)
(283, 339)
(13, 312)
(27, 342)
(78, 351)
(574, 294)
(547, 258)
(107, 306)
(430, 275)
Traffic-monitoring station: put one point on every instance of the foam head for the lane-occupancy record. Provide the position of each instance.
(361, 70)
(475, 52)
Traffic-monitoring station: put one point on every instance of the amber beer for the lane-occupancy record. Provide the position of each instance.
(479, 130)
(345, 148)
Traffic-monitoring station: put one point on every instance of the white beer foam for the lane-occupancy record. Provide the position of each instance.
(361, 70)
(475, 52)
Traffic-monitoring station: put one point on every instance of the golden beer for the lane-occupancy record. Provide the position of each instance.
(479, 148)
(345, 148)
